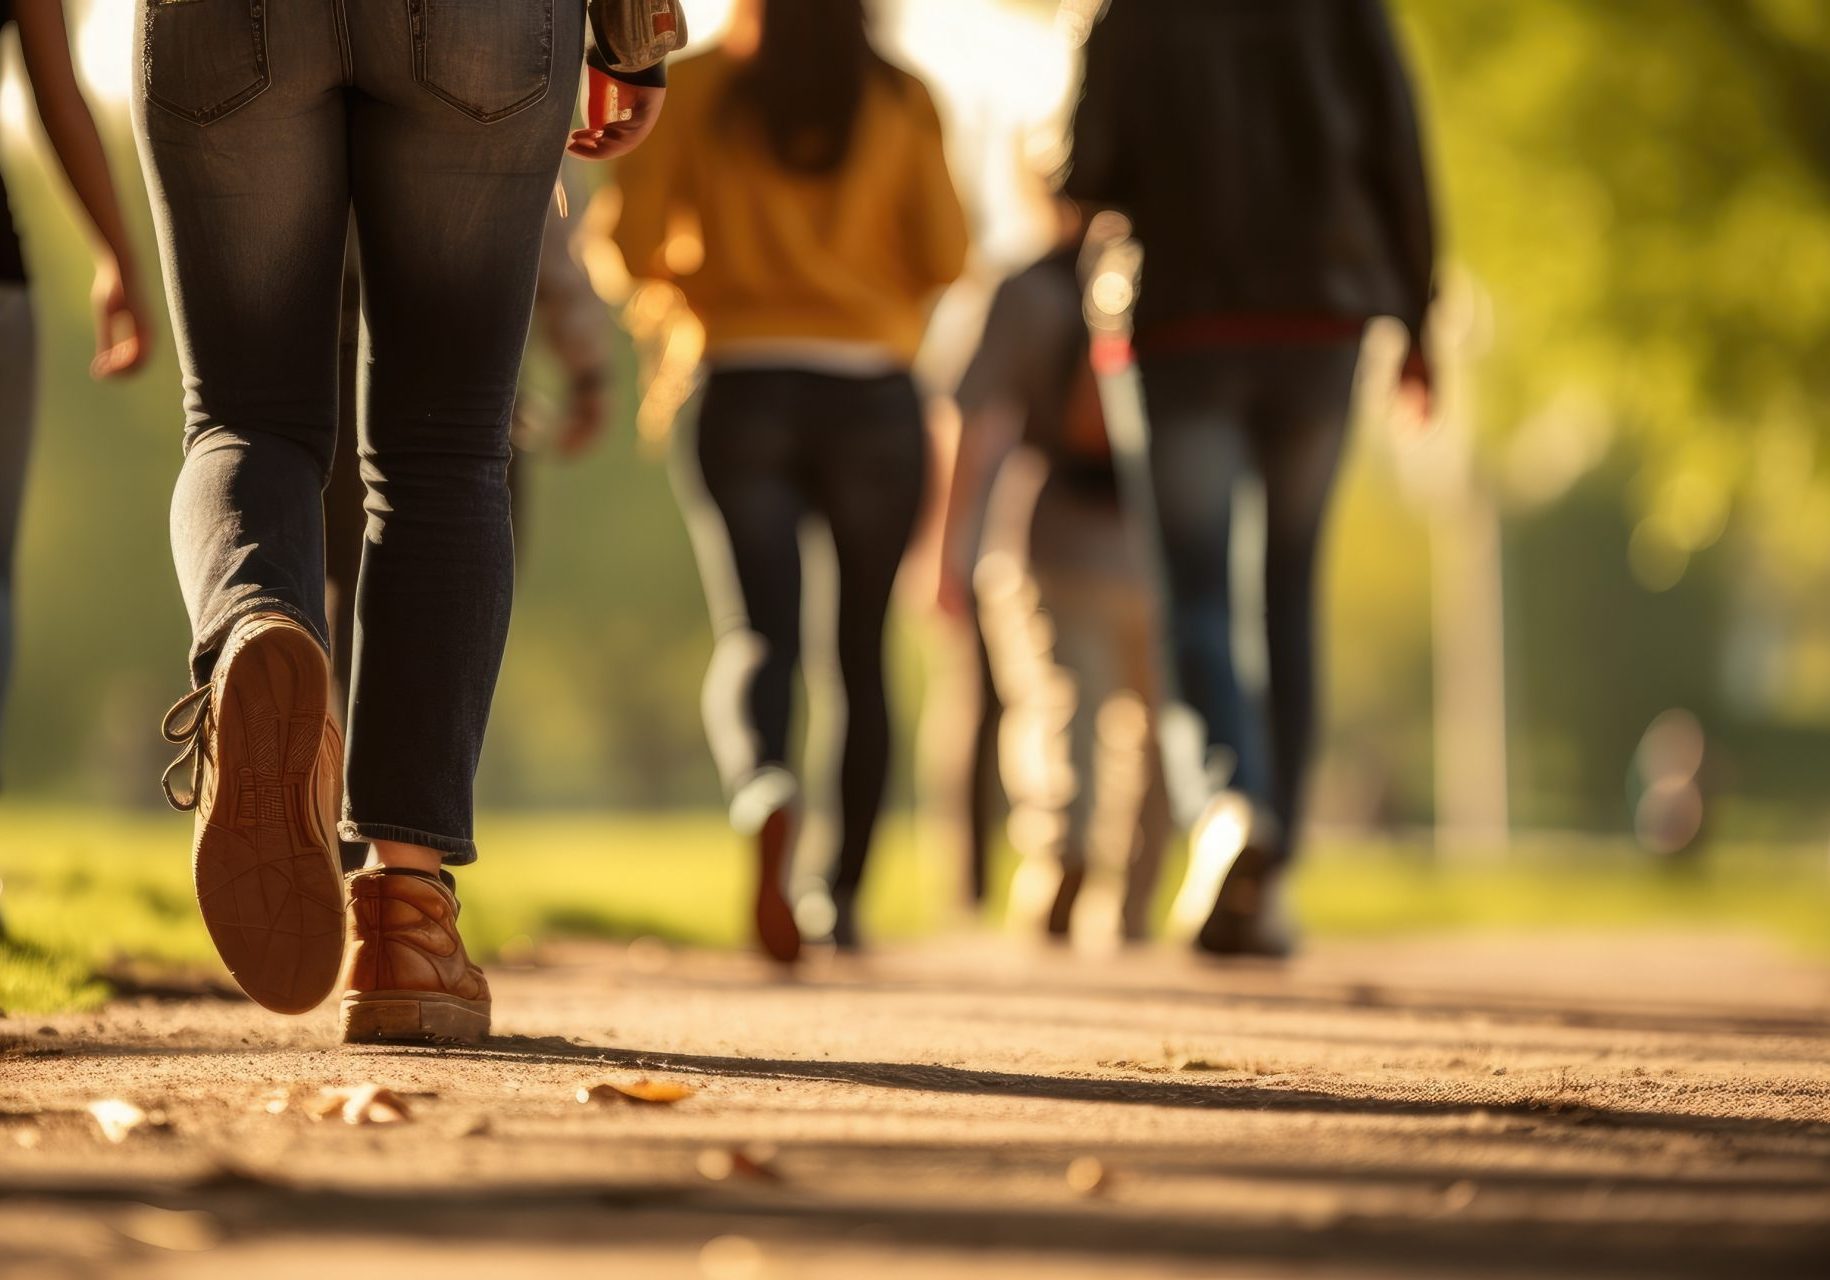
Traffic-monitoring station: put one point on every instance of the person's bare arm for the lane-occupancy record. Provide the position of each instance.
(1401, 184)
(987, 437)
(122, 335)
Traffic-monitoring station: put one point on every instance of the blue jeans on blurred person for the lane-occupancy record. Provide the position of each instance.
(1219, 417)
(441, 126)
(18, 386)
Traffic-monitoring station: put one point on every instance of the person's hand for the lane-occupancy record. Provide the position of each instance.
(618, 116)
(1416, 400)
(122, 336)
(587, 413)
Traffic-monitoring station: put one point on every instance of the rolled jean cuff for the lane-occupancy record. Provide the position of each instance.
(210, 639)
(455, 852)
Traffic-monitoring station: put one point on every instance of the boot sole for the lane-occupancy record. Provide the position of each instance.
(413, 1017)
(267, 878)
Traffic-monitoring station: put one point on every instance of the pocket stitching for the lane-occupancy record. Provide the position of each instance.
(257, 16)
(416, 17)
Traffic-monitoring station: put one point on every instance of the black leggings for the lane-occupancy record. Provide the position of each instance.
(774, 447)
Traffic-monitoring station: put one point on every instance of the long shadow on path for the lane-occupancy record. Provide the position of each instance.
(930, 1078)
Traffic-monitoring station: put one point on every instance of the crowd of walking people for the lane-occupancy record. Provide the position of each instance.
(309, 160)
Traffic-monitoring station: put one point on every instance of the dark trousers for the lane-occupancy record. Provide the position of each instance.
(774, 448)
(1218, 418)
(262, 128)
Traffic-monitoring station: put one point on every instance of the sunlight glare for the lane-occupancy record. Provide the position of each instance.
(104, 51)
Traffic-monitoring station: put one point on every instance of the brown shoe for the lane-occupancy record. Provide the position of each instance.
(406, 975)
(266, 770)
(1249, 918)
(776, 931)
(766, 808)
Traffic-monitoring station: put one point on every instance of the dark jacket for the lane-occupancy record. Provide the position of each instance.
(630, 38)
(1267, 152)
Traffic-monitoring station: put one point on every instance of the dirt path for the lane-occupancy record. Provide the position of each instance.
(1659, 1107)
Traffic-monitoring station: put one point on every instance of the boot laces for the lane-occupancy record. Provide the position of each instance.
(187, 725)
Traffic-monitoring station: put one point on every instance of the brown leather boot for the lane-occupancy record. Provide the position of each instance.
(266, 774)
(406, 975)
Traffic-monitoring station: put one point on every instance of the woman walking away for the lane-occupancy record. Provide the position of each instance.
(120, 329)
(440, 125)
(814, 175)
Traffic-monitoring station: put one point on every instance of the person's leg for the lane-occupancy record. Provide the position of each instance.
(18, 395)
(1149, 821)
(870, 455)
(251, 206)
(456, 133)
(1034, 751)
(1200, 409)
(240, 117)
(1073, 604)
(1297, 443)
(1298, 416)
(1198, 457)
(745, 512)
(985, 799)
(747, 445)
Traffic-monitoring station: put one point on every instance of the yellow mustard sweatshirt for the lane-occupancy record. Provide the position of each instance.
(855, 255)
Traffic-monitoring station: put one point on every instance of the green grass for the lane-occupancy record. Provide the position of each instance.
(87, 894)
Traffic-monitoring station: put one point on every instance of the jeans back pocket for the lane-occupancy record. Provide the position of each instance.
(202, 59)
(487, 58)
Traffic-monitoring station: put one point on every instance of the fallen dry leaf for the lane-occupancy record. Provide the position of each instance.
(117, 1119)
(1459, 1195)
(1087, 1175)
(362, 1104)
(731, 1258)
(656, 1092)
(758, 1162)
(174, 1230)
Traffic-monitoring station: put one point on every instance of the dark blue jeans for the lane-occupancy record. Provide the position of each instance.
(440, 123)
(1217, 419)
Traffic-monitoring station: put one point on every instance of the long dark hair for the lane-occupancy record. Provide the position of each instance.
(806, 83)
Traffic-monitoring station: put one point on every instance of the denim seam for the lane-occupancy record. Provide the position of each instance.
(457, 852)
(343, 43)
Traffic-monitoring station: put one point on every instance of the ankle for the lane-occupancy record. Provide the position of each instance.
(410, 857)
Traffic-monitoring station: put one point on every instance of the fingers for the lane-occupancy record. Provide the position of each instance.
(121, 343)
(122, 358)
(605, 144)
